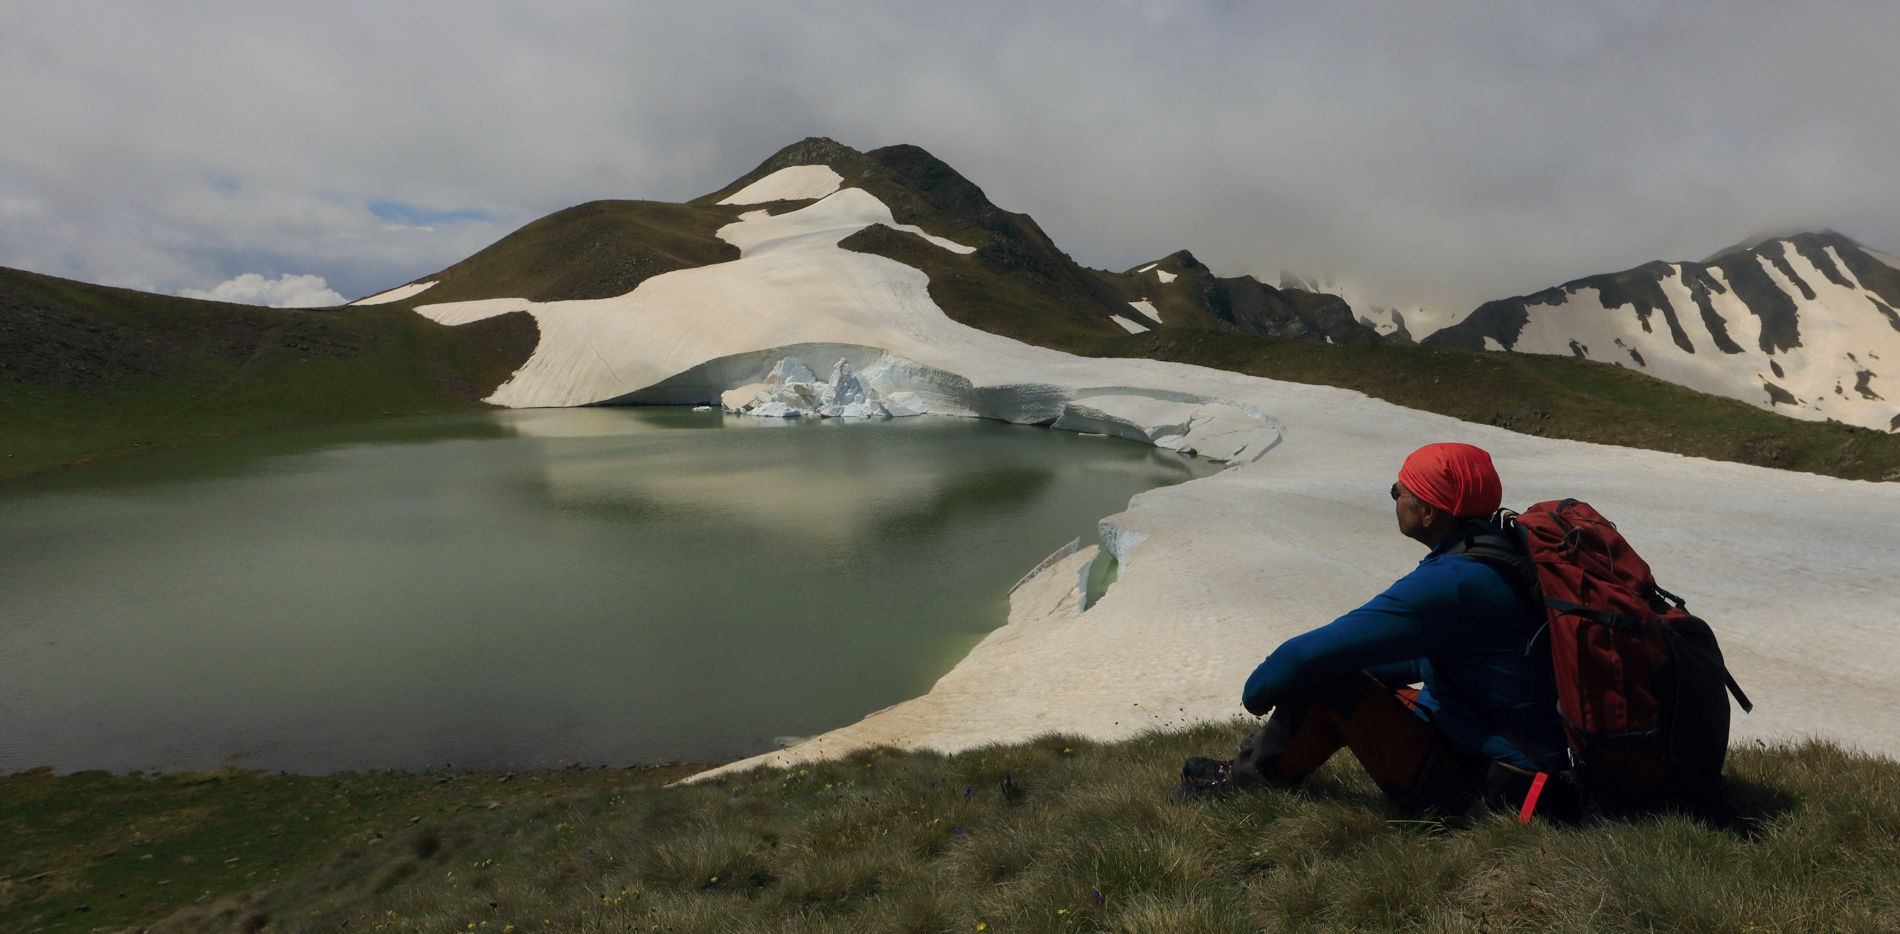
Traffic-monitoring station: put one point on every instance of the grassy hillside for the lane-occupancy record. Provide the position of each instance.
(1001, 288)
(893, 841)
(88, 372)
(595, 250)
(1558, 397)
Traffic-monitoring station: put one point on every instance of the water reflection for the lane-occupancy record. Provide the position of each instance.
(520, 588)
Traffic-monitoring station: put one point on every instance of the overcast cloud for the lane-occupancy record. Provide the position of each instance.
(1437, 154)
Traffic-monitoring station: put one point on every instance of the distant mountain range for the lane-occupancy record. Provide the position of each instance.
(1805, 324)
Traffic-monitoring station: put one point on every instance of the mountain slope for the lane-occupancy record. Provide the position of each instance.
(88, 371)
(1186, 293)
(1806, 325)
(595, 250)
(1016, 282)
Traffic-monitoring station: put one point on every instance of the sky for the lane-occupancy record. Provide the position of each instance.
(1429, 155)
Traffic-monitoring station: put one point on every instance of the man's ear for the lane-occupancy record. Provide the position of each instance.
(1436, 519)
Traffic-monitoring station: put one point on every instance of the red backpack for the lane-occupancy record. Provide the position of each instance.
(1641, 686)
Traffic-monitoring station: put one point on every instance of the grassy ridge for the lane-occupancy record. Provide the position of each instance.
(1558, 397)
(88, 371)
(893, 841)
(595, 250)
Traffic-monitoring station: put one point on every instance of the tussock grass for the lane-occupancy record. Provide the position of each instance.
(897, 841)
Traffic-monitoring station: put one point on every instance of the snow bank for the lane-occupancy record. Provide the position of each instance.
(794, 183)
(1793, 575)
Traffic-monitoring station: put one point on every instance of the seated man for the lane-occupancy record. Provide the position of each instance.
(1485, 720)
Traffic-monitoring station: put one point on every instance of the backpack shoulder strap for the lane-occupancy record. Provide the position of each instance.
(1499, 542)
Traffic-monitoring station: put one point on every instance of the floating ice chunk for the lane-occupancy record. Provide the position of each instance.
(791, 390)
(846, 388)
(775, 410)
(789, 370)
(735, 400)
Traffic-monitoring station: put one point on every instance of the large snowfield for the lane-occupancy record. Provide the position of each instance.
(1793, 570)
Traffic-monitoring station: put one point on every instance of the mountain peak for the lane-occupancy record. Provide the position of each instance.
(943, 185)
(812, 150)
(1799, 236)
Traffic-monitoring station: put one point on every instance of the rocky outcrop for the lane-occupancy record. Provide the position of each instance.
(1185, 292)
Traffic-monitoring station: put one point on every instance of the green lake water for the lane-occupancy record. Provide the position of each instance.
(604, 586)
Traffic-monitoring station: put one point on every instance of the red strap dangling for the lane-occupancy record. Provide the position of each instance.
(1530, 798)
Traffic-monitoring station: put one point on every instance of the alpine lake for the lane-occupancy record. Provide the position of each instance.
(522, 589)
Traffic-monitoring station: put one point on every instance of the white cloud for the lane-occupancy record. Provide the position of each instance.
(286, 291)
(1443, 153)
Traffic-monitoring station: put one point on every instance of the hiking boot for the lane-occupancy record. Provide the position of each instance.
(1204, 779)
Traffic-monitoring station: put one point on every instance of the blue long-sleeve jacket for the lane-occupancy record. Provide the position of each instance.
(1455, 624)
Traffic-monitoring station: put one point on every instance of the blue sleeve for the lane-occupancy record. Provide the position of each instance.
(1398, 674)
(1408, 621)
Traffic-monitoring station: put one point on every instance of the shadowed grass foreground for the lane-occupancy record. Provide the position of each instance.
(892, 841)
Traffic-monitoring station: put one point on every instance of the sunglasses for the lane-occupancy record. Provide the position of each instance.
(1396, 492)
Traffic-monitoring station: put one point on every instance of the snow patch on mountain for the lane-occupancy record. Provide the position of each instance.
(819, 225)
(1845, 366)
(1161, 274)
(792, 183)
(1147, 308)
(1132, 327)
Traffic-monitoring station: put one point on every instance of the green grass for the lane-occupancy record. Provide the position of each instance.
(1004, 288)
(595, 250)
(894, 841)
(91, 850)
(1557, 397)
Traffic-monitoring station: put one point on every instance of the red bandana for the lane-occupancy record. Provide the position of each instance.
(1457, 478)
